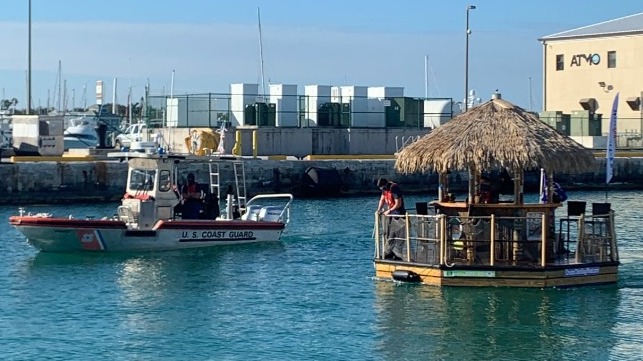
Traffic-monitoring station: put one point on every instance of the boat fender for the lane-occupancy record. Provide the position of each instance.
(406, 276)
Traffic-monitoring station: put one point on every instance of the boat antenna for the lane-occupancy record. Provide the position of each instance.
(263, 84)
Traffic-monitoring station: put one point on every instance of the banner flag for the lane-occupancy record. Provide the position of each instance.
(611, 143)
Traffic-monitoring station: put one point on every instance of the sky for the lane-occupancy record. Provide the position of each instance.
(212, 43)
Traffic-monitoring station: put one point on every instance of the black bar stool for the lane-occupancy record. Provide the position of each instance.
(574, 210)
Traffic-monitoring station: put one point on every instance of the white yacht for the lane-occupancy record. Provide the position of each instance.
(81, 133)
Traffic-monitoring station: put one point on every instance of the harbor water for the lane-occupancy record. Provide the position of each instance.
(310, 297)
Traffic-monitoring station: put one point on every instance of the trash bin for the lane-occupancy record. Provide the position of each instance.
(101, 132)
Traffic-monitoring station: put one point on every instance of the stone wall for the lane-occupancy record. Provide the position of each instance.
(48, 182)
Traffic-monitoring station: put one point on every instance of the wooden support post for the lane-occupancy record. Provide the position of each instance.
(492, 246)
(581, 235)
(543, 240)
(377, 235)
(407, 224)
(442, 224)
(614, 250)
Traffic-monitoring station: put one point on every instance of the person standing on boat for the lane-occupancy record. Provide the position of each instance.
(395, 228)
(191, 196)
(392, 197)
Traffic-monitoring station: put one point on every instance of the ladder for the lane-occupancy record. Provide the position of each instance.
(240, 182)
(215, 180)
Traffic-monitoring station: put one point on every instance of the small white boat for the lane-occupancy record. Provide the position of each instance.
(147, 219)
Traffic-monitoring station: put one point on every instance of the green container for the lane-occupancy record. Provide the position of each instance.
(411, 112)
(393, 114)
(328, 115)
(584, 123)
(345, 116)
(250, 115)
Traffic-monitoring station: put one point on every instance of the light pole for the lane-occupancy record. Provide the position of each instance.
(29, 63)
(466, 61)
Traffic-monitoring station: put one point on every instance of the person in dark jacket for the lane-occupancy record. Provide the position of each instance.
(191, 198)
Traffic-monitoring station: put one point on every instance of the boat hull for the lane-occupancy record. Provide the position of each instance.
(65, 235)
(567, 275)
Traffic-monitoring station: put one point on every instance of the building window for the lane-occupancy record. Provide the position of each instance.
(611, 59)
(560, 62)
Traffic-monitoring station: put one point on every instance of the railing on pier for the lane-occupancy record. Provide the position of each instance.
(436, 240)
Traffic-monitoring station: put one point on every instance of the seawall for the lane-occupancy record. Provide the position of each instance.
(83, 181)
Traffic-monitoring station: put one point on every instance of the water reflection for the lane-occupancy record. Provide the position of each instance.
(416, 321)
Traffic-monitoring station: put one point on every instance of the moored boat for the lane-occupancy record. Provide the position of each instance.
(485, 240)
(150, 218)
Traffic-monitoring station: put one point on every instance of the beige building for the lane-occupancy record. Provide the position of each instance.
(585, 68)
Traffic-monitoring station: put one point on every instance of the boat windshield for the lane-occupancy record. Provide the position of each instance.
(142, 179)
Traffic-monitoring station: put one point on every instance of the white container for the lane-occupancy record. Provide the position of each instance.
(385, 92)
(314, 97)
(438, 112)
(242, 95)
(284, 96)
(38, 134)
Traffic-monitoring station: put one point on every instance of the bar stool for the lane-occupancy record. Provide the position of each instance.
(601, 209)
(574, 210)
(600, 215)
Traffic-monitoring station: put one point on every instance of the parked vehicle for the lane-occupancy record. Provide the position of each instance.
(134, 133)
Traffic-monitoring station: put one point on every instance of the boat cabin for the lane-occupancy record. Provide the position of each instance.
(150, 193)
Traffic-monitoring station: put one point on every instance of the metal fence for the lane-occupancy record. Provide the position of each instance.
(213, 109)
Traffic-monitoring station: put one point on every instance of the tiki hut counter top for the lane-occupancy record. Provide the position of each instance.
(482, 241)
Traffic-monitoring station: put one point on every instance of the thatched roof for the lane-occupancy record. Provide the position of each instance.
(495, 135)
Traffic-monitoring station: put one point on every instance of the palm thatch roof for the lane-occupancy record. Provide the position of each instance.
(495, 135)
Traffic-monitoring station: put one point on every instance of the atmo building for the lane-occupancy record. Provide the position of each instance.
(584, 68)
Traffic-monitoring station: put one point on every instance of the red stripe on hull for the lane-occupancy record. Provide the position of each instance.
(65, 222)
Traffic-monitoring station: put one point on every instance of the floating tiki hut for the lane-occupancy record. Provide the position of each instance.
(486, 240)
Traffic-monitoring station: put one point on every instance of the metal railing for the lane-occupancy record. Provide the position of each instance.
(440, 240)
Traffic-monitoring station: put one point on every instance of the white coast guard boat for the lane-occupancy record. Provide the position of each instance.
(147, 219)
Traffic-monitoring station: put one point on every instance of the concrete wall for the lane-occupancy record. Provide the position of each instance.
(301, 142)
(47, 182)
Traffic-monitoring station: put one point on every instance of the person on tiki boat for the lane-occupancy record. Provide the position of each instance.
(393, 198)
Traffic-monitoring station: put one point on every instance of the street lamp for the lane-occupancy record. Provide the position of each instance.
(466, 61)
(29, 63)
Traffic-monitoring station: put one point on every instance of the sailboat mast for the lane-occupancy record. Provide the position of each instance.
(263, 84)
(60, 84)
(531, 101)
(84, 99)
(426, 76)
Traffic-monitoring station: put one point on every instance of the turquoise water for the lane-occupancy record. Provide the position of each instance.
(310, 297)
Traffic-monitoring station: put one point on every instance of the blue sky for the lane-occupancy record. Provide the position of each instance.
(212, 43)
